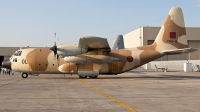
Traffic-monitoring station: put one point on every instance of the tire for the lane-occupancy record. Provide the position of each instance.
(93, 77)
(24, 75)
(83, 77)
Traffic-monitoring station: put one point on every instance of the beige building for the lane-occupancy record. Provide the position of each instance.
(146, 35)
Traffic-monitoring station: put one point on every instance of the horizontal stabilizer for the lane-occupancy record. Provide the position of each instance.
(178, 51)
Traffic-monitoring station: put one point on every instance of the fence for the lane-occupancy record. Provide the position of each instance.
(175, 65)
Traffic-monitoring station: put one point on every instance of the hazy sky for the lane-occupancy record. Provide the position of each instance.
(34, 22)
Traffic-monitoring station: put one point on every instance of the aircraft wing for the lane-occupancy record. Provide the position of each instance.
(94, 43)
(178, 51)
(91, 59)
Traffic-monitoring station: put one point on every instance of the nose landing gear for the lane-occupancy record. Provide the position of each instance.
(24, 75)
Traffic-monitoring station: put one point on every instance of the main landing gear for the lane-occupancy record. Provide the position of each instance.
(24, 75)
(83, 77)
(91, 77)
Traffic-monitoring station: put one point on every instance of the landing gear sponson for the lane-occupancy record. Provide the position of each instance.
(91, 74)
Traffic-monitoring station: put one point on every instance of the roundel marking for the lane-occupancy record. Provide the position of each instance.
(129, 58)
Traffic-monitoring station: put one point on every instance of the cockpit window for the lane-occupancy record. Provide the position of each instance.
(17, 53)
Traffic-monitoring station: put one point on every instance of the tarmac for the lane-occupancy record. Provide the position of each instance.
(137, 91)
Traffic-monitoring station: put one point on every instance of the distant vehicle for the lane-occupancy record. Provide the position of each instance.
(93, 56)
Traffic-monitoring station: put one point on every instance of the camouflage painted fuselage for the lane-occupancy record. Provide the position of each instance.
(42, 60)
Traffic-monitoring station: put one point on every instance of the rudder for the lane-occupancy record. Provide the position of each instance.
(172, 34)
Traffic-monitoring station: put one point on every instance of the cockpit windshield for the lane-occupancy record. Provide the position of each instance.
(17, 53)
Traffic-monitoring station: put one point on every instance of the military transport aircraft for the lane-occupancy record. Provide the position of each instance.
(93, 56)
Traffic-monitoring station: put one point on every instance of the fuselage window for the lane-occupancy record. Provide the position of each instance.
(15, 59)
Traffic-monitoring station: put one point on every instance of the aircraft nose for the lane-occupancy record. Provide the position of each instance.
(6, 64)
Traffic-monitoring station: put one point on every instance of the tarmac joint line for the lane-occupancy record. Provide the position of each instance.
(108, 96)
(10, 83)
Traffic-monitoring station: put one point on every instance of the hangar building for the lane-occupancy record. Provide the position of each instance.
(6, 52)
(146, 36)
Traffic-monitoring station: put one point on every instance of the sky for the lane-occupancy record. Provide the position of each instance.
(34, 22)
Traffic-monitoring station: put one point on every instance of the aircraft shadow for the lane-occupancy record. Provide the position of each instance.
(138, 72)
(145, 72)
(162, 77)
(136, 75)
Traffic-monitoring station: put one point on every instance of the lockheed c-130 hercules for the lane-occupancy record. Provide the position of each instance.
(93, 56)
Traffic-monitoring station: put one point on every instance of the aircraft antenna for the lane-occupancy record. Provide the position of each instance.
(54, 49)
(55, 37)
(140, 37)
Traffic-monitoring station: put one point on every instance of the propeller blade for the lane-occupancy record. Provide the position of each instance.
(57, 56)
(54, 49)
(58, 60)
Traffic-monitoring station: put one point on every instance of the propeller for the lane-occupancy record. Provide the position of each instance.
(54, 49)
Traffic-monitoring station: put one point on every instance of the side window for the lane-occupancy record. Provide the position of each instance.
(11, 57)
(15, 54)
(19, 53)
(15, 59)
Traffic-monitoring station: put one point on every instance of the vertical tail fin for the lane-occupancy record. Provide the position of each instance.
(118, 43)
(172, 34)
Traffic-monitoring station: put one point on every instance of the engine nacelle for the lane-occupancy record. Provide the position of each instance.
(68, 68)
